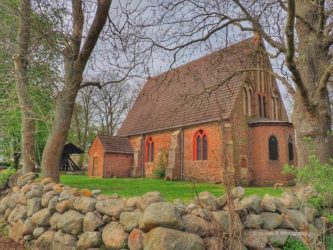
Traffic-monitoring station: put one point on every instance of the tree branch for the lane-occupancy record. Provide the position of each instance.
(96, 27)
(257, 27)
(290, 33)
(309, 25)
(78, 20)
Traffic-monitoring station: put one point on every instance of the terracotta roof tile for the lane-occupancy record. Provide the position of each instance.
(116, 144)
(190, 94)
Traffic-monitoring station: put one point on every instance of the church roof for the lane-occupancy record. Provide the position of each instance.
(116, 144)
(200, 91)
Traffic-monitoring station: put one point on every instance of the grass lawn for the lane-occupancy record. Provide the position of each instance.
(170, 190)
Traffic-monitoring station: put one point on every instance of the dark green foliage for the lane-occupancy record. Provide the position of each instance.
(329, 241)
(5, 175)
(293, 244)
(43, 72)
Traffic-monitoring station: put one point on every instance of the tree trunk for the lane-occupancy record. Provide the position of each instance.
(312, 113)
(59, 131)
(22, 81)
(312, 136)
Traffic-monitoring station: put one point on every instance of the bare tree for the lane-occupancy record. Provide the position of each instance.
(111, 105)
(22, 84)
(298, 35)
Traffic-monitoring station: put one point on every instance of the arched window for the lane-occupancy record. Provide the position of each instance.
(265, 106)
(204, 148)
(200, 146)
(149, 150)
(290, 149)
(247, 99)
(273, 148)
(259, 106)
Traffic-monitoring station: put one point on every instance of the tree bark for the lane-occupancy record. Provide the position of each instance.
(22, 84)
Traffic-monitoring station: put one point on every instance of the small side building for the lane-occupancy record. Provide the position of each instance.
(110, 156)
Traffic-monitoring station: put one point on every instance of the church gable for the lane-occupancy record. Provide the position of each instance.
(261, 98)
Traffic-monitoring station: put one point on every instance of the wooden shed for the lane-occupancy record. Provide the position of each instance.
(110, 156)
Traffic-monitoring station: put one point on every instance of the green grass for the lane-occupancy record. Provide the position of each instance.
(170, 190)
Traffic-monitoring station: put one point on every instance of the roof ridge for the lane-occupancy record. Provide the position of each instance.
(202, 58)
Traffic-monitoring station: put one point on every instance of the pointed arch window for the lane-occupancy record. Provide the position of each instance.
(200, 146)
(204, 147)
(149, 150)
(247, 100)
(273, 148)
(290, 149)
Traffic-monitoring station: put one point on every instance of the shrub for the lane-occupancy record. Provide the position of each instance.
(5, 175)
(329, 241)
(159, 171)
(293, 244)
(320, 176)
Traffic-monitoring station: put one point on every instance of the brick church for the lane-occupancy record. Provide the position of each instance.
(220, 112)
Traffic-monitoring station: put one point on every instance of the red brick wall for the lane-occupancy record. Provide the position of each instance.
(268, 172)
(96, 158)
(118, 165)
(203, 170)
(162, 142)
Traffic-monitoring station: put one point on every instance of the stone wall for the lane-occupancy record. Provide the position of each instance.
(45, 215)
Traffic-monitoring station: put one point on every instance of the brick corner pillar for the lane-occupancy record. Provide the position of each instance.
(173, 169)
(136, 170)
(232, 168)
